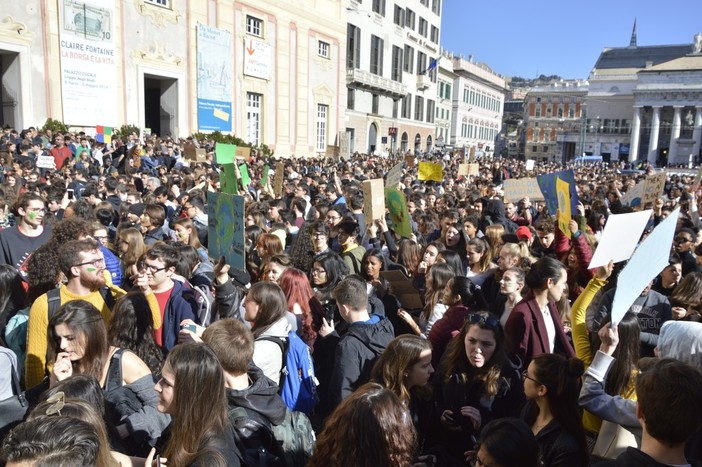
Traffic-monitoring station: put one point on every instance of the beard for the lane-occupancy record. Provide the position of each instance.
(94, 282)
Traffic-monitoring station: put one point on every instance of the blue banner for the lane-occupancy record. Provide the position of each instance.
(214, 79)
(547, 184)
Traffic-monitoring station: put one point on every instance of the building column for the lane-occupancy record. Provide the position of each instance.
(653, 140)
(674, 135)
(635, 135)
(697, 134)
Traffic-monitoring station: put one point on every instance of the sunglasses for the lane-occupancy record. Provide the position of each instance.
(488, 320)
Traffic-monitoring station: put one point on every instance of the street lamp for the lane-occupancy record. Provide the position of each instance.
(597, 128)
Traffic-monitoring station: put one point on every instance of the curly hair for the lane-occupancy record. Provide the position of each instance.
(370, 428)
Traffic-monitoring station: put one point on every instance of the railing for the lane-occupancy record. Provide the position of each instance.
(373, 81)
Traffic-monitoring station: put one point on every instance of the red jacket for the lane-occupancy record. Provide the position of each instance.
(525, 332)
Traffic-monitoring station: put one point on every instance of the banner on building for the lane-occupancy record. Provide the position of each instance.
(257, 58)
(214, 79)
(88, 62)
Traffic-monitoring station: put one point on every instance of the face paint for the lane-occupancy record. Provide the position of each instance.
(92, 269)
(32, 215)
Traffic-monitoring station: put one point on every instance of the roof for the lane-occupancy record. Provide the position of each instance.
(636, 57)
(687, 63)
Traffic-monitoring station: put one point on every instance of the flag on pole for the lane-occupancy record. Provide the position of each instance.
(103, 134)
(433, 63)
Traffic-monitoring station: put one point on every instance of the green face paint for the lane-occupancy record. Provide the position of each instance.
(32, 215)
(92, 269)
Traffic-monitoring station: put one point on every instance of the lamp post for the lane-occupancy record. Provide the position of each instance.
(596, 127)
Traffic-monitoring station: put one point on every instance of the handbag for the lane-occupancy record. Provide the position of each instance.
(14, 408)
(612, 440)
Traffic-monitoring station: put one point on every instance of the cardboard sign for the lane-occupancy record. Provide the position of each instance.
(520, 188)
(193, 153)
(530, 164)
(394, 176)
(332, 151)
(472, 154)
(279, 179)
(654, 187)
(547, 184)
(462, 170)
(243, 152)
(634, 195)
(409, 160)
(431, 171)
(344, 145)
(403, 289)
(46, 162)
(373, 200)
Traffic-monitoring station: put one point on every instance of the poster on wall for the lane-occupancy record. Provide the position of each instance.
(214, 79)
(88, 62)
(257, 58)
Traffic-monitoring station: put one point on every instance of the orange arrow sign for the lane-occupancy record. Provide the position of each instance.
(250, 48)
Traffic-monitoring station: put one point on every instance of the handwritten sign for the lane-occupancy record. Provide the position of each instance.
(654, 187)
(519, 188)
(373, 199)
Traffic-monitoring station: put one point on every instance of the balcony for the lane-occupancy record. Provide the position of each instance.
(423, 82)
(377, 84)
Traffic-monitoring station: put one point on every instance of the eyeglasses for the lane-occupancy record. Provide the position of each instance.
(153, 269)
(319, 234)
(318, 272)
(95, 262)
(525, 376)
(681, 240)
(476, 318)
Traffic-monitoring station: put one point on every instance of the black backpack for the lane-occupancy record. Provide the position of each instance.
(53, 299)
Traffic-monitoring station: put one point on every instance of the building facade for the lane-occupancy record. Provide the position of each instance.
(478, 105)
(553, 122)
(269, 72)
(392, 51)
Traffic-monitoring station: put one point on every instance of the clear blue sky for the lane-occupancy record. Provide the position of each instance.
(558, 37)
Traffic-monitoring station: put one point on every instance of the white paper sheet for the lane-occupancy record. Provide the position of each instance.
(619, 238)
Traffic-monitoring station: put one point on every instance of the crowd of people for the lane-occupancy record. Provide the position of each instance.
(124, 342)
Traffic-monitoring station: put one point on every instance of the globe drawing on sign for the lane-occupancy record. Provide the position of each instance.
(562, 204)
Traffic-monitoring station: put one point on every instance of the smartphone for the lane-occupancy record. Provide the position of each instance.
(70, 193)
(190, 327)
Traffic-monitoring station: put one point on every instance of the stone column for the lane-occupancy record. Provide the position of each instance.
(697, 133)
(635, 135)
(674, 135)
(653, 141)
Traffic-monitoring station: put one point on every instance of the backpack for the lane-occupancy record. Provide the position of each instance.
(53, 299)
(289, 444)
(204, 299)
(298, 384)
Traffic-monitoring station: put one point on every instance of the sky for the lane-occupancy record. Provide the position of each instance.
(562, 38)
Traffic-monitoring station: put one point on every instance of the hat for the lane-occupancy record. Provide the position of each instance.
(137, 209)
(523, 232)
(240, 277)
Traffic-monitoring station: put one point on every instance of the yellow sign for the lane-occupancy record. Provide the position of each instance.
(431, 171)
(564, 214)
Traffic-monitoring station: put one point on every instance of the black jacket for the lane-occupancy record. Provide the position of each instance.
(558, 448)
(633, 457)
(355, 355)
(261, 397)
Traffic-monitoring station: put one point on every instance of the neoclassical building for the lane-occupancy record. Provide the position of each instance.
(645, 103)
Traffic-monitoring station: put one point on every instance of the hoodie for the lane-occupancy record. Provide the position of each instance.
(355, 355)
(261, 397)
(681, 340)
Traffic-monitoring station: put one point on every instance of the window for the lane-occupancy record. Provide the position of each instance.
(538, 111)
(395, 108)
(424, 2)
(466, 95)
(423, 27)
(406, 106)
(376, 56)
(399, 16)
(350, 98)
(396, 73)
(163, 3)
(430, 111)
(464, 130)
(410, 19)
(409, 59)
(418, 108)
(254, 26)
(322, 111)
(436, 6)
(375, 104)
(323, 49)
(353, 47)
(379, 7)
(253, 117)
(421, 62)
(434, 34)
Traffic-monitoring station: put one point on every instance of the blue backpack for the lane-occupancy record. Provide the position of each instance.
(298, 384)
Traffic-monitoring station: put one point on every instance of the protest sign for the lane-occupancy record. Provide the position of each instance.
(530, 164)
(431, 171)
(225, 153)
(264, 177)
(520, 188)
(373, 200)
(653, 188)
(619, 238)
(547, 184)
(228, 179)
(46, 162)
(634, 195)
(409, 160)
(243, 152)
(649, 259)
(244, 171)
(279, 179)
(564, 212)
(399, 214)
(226, 228)
(394, 176)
